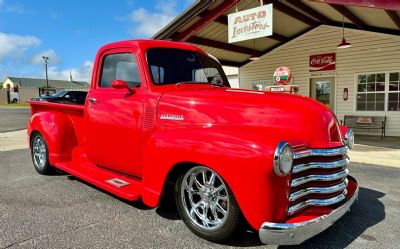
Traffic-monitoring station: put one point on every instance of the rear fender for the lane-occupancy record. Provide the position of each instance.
(58, 131)
(244, 164)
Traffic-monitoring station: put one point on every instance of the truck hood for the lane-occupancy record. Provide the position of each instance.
(297, 119)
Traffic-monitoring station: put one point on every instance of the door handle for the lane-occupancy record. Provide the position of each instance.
(92, 100)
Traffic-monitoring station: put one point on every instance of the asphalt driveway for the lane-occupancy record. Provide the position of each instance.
(13, 118)
(60, 211)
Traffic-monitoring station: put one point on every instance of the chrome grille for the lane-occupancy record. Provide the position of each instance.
(319, 178)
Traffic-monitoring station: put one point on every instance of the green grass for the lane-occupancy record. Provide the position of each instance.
(15, 105)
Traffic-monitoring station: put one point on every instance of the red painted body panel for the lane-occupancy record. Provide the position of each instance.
(233, 131)
(61, 126)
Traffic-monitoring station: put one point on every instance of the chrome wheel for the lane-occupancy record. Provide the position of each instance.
(205, 198)
(39, 152)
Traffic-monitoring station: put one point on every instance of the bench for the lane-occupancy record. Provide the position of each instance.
(366, 122)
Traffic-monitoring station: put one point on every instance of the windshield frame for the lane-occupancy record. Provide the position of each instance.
(200, 57)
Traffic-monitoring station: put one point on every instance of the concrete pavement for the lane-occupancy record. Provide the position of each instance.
(60, 211)
(13, 140)
(375, 155)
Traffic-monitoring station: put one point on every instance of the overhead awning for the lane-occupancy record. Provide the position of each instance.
(205, 23)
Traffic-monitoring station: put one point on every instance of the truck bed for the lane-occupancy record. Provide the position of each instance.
(72, 112)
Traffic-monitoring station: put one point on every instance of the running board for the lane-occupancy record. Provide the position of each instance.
(128, 188)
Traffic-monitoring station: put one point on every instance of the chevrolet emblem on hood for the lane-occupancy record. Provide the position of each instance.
(172, 117)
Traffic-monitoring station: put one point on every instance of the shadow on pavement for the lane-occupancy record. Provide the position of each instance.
(246, 238)
(387, 142)
(366, 212)
(136, 204)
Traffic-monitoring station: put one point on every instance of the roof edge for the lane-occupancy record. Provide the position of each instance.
(180, 20)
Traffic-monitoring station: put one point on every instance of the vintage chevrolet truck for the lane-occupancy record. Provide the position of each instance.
(161, 123)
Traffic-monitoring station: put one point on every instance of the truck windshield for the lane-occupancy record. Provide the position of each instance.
(172, 66)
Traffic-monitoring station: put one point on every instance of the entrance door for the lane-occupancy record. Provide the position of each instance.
(323, 90)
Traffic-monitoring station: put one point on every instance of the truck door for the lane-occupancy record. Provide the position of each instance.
(114, 116)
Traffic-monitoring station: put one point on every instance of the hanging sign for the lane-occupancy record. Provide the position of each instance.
(322, 62)
(250, 24)
(282, 75)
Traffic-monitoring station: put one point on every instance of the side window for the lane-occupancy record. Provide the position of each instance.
(157, 73)
(120, 67)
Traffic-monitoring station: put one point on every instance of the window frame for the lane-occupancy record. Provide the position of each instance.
(148, 66)
(116, 67)
(121, 50)
(398, 92)
(385, 92)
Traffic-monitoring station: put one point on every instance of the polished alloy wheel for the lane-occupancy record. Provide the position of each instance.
(39, 152)
(205, 197)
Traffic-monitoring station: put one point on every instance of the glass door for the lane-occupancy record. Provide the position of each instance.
(323, 90)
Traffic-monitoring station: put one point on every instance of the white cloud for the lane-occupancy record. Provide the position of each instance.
(15, 7)
(147, 23)
(78, 74)
(14, 46)
(54, 58)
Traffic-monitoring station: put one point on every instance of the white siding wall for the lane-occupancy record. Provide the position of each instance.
(370, 52)
(232, 74)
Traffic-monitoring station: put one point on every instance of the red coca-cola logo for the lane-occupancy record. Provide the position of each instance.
(322, 62)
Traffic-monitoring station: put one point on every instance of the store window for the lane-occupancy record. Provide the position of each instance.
(394, 92)
(371, 92)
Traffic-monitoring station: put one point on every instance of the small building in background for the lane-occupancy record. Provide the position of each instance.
(19, 90)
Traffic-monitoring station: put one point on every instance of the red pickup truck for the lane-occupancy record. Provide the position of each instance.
(160, 122)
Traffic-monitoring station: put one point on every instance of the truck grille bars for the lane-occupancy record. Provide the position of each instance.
(319, 178)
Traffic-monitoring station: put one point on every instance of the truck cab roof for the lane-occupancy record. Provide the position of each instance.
(144, 44)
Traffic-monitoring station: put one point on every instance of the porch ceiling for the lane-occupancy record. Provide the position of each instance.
(205, 23)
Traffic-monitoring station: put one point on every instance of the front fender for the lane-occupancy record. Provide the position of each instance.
(58, 131)
(243, 159)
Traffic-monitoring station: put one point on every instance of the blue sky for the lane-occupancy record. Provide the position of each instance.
(71, 31)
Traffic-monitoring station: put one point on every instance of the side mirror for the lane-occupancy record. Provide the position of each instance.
(67, 96)
(120, 84)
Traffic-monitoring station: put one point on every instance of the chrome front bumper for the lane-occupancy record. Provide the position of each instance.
(296, 233)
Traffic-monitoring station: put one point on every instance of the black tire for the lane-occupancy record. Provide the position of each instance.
(40, 154)
(225, 231)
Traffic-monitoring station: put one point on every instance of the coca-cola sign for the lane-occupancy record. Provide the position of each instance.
(322, 62)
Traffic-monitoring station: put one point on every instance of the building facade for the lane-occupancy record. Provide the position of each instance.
(362, 80)
(22, 89)
(369, 70)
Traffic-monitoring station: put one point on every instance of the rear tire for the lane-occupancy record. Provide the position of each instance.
(40, 154)
(206, 205)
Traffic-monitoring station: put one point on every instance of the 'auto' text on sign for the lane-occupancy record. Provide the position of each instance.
(250, 24)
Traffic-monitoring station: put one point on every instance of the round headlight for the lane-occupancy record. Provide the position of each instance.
(349, 139)
(283, 159)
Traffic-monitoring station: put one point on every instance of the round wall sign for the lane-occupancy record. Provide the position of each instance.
(282, 75)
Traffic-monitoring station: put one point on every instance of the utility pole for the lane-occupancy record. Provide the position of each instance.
(46, 59)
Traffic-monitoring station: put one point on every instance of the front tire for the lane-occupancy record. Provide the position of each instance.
(40, 154)
(206, 205)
